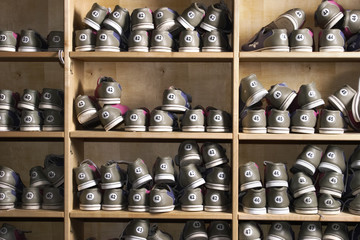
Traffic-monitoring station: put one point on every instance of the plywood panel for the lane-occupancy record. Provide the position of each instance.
(22, 156)
(20, 75)
(40, 230)
(41, 15)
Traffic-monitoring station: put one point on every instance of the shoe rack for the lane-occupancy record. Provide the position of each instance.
(329, 71)
(211, 78)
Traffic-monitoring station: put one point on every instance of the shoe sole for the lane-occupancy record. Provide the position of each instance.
(215, 208)
(160, 129)
(7, 206)
(6, 128)
(334, 20)
(278, 130)
(278, 210)
(142, 26)
(113, 123)
(133, 238)
(192, 208)
(274, 49)
(190, 158)
(88, 207)
(40, 183)
(196, 183)
(174, 108)
(207, 27)
(86, 48)
(216, 162)
(185, 23)
(138, 49)
(108, 23)
(26, 106)
(216, 186)
(287, 102)
(86, 185)
(31, 207)
(47, 128)
(92, 24)
(329, 212)
(332, 192)
(189, 49)
(107, 207)
(304, 190)
(255, 130)
(107, 49)
(135, 128)
(217, 129)
(108, 101)
(286, 21)
(313, 104)
(331, 49)
(331, 130)
(169, 26)
(256, 97)
(59, 182)
(161, 209)
(193, 129)
(338, 104)
(6, 185)
(254, 184)
(164, 178)
(160, 49)
(307, 211)
(255, 211)
(49, 106)
(301, 49)
(277, 183)
(306, 166)
(8, 49)
(138, 208)
(355, 165)
(213, 49)
(111, 185)
(52, 207)
(299, 129)
(29, 49)
(324, 167)
(141, 181)
(30, 128)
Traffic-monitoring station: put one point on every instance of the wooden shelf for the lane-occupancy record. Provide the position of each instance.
(149, 135)
(342, 217)
(18, 134)
(29, 57)
(152, 57)
(176, 214)
(299, 137)
(299, 57)
(23, 213)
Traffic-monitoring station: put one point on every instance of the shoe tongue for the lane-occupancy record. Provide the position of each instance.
(105, 79)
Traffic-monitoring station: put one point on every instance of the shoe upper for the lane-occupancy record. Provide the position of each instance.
(111, 115)
(192, 16)
(136, 171)
(174, 97)
(276, 174)
(9, 120)
(142, 19)
(85, 38)
(161, 196)
(309, 159)
(8, 197)
(194, 229)
(355, 158)
(279, 96)
(193, 118)
(219, 229)
(53, 196)
(137, 117)
(31, 197)
(281, 230)
(332, 119)
(138, 198)
(249, 173)
(156, 234)
(327, 203)
(277, 198)
(190, 175)
(353, 43)
(164, 171)
(30, 38)
(253, 118)
(354, 182)
(304, 118)
(250, 87)
(219, 178)
(9, 232)
(336, 230)
(121, 17)
(291, 20)
(310, 230)
(332, 183)
(37, 177)
(107, 87)
(300, 183)
(8, 40)
(189, 39)
(267, 38)
(213, 154)
(216, 118)
(188, 152)
(96, 14)
(107, 38)
(254, 198)
(278, 118)
(308, 95)
(328, 14)
(250, 230)
(160, 118)
(161, 40)
(90, 196)
(217, 18)
(30, 119)
(54, 169)
(306, 201)
(53, 118)
(191, 196)
(164, 18)
(137, 228)
(301, 38)
(10, 179)
(333, 160)
(138, 39)
(112, 176)
(55, 40)
(114, 197)
(52, 99)
(8, 100)
(342, 98)
(29, 100)
(330, 38)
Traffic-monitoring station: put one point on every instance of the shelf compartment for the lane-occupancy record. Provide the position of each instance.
(176, 214)
(299, 137)
(149, 135)
(29, 57)
(152, 57)
(23, 213)
(278, 217)
(17, 134)
(298, 57)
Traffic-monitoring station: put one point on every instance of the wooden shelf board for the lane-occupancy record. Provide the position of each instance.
(299, 137)
(176, 214)
(278, 217)
(342, 217)
(299, 56)
(19, 134)
(149, 135)
(28, 57)
(23, 213)
(152, 57)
